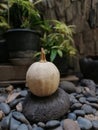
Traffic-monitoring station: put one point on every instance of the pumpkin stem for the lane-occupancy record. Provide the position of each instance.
(43, 57)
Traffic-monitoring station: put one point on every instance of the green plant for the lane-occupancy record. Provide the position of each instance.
(21, 14)
(57, 38)
(3, 19)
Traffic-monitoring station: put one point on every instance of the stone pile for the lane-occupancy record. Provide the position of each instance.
(82, 114)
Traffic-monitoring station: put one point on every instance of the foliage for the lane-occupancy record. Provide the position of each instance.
(22, 14)
(57, 38)
(3, 18)
(3, 24)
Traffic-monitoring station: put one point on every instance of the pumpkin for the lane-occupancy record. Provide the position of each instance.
(43, 77)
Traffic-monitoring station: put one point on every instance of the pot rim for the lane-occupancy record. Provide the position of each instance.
(22, 30)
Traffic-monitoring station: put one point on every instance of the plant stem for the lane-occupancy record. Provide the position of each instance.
(43, 57)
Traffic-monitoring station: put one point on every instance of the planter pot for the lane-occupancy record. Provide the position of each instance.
(89, 67)
(3, 52)
(21, 61)
(22, 40)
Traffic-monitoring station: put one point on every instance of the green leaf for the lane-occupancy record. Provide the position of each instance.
(60, 53)
(37, 2)
(37, 54)
(53, 55)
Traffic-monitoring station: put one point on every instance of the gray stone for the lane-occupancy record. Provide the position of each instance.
(92, 99)
(23, 127)
(79, 96)
(82, 100)
(5, 122)
(79, 112)
(14, 124)
(76, 106)
(20, 117)
(95, 124)
(23, 93)
(74, 94)
(96, 113)
(87, 108)
(72, 101)
(5, 108)
(68, 86)
(71, 116)
(29, 127)
(90, 84)
(79, 90)
(95, 105)
(46, 108)
(84, 123)
(52, 124)
(37, 128)
(41, 124)
(97, 91)
(2, 98)
(57, 128)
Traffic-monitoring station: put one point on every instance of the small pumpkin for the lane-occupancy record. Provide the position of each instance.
(43, 77)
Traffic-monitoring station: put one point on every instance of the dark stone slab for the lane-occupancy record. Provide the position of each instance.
(43, 109)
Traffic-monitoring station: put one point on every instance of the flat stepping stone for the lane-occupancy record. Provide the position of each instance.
(70, 78)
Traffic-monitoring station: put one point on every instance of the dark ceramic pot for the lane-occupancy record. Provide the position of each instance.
(22, 40)
(3, 52)
(89, 67)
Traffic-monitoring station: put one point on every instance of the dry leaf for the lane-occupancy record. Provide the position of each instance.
(9, 88)
(12, 96)
(87, 89)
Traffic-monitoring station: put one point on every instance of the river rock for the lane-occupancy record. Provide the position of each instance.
(82, 100)
(57, 128)
(87, 108)
(41, 124)
(90, 84)
(2, 98)
(79, 112)
(95, 124)
(6, 122)
(72, 116)
(84, 123)
(52, 124)
(20, 117)
(37, 128)
(92, 99)
(23, 93)
(46, 108)
(76, 106)
(68, 86)
(23, 127)
(14, 124)
(5, 108)
(70, 125)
